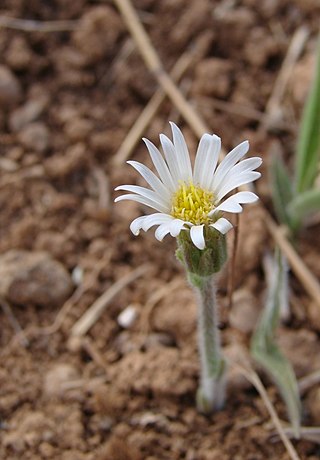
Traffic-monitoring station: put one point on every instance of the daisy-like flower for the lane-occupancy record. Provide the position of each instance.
(186, 198)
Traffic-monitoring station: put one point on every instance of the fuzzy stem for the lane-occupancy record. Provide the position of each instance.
(211, 392)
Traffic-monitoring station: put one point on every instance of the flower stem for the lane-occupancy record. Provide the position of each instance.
(211, 391)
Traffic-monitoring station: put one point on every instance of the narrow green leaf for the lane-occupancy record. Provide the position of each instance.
(281, 190)
(308, 148)
(274, 362)
(265, 350)
(305, 204)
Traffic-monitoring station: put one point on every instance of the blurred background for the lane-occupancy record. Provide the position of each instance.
(119, 383)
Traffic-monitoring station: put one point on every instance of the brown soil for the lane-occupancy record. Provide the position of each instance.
(68, 100)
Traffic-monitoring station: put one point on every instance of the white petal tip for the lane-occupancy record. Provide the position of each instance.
(222, 225)
(134, 230)
(197, 237)
(174, 127)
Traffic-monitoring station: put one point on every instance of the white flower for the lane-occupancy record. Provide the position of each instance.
(186, 199)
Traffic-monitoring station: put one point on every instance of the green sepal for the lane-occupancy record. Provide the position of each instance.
(202, 262)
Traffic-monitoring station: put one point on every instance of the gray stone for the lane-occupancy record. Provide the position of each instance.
(33, 278)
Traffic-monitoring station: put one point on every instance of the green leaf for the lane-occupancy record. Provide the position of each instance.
(274, 362)
(305, 204)
(281, 190)
(308, 148)
(265, 350)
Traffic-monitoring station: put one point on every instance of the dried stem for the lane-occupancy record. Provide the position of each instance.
(309, 381)
(253, 377)
(296, 46)
(232, 264)
(29, 25)
(142, 122)
(308, 280)
(20, 333)
(154, 64)
(89, 318)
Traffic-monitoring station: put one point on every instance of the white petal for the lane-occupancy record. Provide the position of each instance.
(136, 225)
(206, 160)
(162, 231)
(230, 160)
(222, 225)
(171, 159)
(245, 165)
(147, 193)
(176, 226)
(229, 205)
(151, 178)
(249, 164)
(159, 164)
(232, 204)
(182, 153)
(143, 200)
(155, 219)
(236, 181)
(246, 197)
(197, 237)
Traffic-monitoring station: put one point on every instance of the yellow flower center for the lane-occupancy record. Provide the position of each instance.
(193, 204)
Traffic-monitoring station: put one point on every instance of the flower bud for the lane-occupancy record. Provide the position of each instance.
(202, 262)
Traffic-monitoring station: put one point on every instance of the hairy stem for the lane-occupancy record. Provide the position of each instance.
(211, 392)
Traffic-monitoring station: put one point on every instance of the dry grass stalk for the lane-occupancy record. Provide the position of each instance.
(150, 110)
(253, 378)
(20, 333)
(154, 64)
(309, 381)
(308, 280)
(232, 264)
(89, 318)
(104, 201)
(294, 50)
(154, 299)
(28, 25)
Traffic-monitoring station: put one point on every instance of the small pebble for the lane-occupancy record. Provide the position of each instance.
(127, 317)
(57, 379)
(77, 275)
(35, 136)
(27, 113)
(10, 88)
